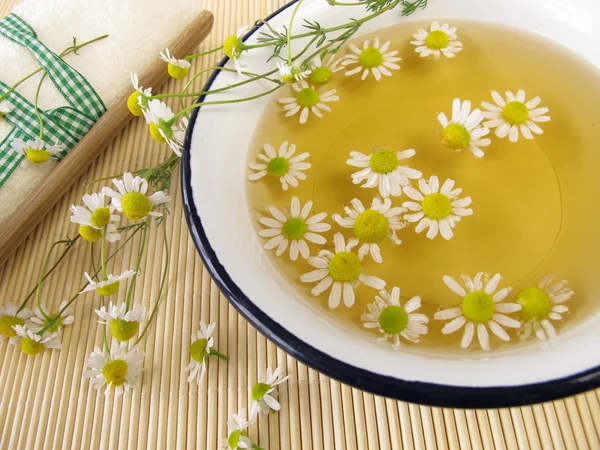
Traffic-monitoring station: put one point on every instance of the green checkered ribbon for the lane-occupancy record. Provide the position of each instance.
(65, 125)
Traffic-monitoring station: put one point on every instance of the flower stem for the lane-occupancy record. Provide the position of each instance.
(220, 355)
(256, 447)
(208, 52)
(137, 266)
(35, 105)
(289, 32)
(41, 280)
(102, 259)
(104, 334)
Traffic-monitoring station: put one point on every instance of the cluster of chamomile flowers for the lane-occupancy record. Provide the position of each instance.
(431, 205)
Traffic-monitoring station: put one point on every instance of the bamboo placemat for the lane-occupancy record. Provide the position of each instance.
(45, 403)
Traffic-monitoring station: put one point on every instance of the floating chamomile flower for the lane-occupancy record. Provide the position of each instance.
(200, 350)
(109, 286)
(233, 46)
(160, 119)
(131, 198)
(514, 116)
(137, 102)
(94, 221)
(372, 226)
(307, 99)
(541, 304)
(6, 108)
(10, 317)
(321, 71)
(481, 306)
(464, 131)
(263, 392)
(123, 324)
(57, 320)
(440, 40)
(382, 169)
(435, 208)
(32, 343)
(177, 68)
(291, 74)
(35, 151)
(119, 369)
(342, 271)
(236, 427)
(285, 166)
(293, 229)
(393, 320)
(373, 59)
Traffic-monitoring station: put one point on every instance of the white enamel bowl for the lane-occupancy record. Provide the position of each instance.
(218, 215)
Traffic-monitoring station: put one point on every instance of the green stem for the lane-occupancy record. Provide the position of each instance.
(102, 261)
(220, 355)
(104, 333)
(41, 280)
(289, 32)
(35, 105)
(256, 447)
(197, 55)
(347, 3)
(137, 266)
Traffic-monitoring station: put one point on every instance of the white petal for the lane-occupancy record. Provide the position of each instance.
(454, 286)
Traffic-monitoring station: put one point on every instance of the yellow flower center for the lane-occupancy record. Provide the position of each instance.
(7, 323)
(198, 350)
(437, 40)
(371, 226)
(535, 302)
(123, 330)
(436, 206)
(345, 267)
(115, 372)
(294, 228)
(478, 306)
(319, 76)
(515, 113)
(133, 104)
(155, 133)
(100, 217)
(136, 205)
(233, 46)
(109, 289)
(31, 347)
(278, 166)
(37, 156)
(260, 390)
(234, 439)
(178, 72)
(370, 57)
(384, 161)
(90, 234)
(456, 136)
(308, 97)
(393, 319)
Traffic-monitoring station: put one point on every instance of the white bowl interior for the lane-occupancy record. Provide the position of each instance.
(219, 147)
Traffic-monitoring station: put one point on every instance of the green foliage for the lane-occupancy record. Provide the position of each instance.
(409, 8)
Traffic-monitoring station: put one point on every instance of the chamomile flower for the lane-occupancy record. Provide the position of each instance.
(263, 392)
(32, 343)
(109, 286)
(123, 324)
(321, 71)
(160, 119)
(119, 369)
(200, 350)
(439, 40)
(293, 228)
(10, 317)
(464, 131)
(137, 102)
(373, 59)
(514, 115)
(481, 308)
(383, 169)
(372, 226)
(35, 151)
(307, 99)
(233, 47)
(236, 427)
(541, 304)
(341, 271)
(95, 218)
(6, 108)
(283, 165)
(57, 320)
(393, 321)
(291, 74)
(436, 209)
(131, 198)
(177, 68)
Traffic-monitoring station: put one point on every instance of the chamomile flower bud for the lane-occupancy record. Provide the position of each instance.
(177, 68)
(10, 317)
(54, 321)
(123, 324)
(119, 369)
(233, 46)
(138, 100)
(35, 151)
(291, 74)
(5, 108)
(109, 286)
(33, 344)
(264, 394)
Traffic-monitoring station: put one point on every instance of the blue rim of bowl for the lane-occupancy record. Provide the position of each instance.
(430, 394)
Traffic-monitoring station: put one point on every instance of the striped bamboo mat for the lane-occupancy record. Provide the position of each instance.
(44, 403)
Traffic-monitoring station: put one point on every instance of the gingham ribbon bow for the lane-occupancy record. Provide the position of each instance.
(66, 125)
